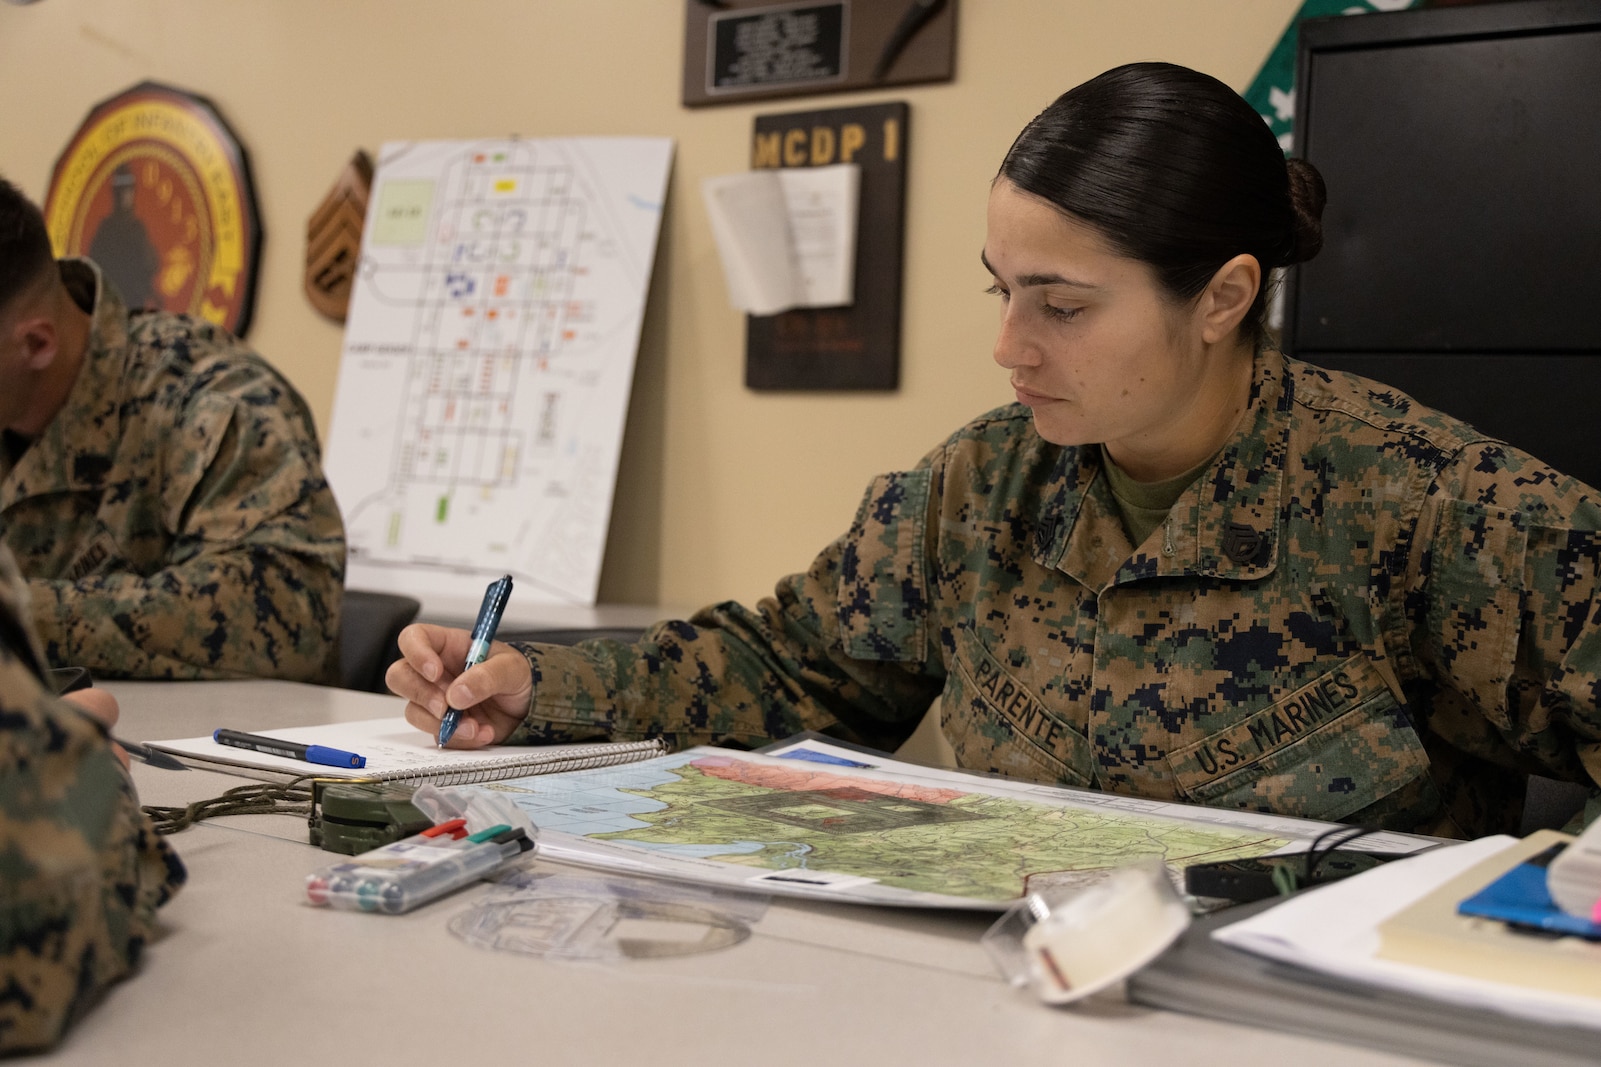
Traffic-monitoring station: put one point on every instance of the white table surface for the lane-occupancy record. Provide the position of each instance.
(245, 973)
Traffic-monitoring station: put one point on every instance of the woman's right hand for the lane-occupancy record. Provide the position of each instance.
(492, 697)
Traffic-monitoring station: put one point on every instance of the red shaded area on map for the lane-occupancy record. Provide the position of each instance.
(804, 779)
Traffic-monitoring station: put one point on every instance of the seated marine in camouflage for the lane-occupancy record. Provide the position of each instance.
(81, 870)
(1182, 566)
(160, 484)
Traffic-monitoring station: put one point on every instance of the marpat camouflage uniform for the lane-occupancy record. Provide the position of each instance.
(81, 871)
(1361, 611)
(173, 520)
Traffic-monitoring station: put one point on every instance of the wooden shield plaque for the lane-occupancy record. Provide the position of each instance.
(333, 239)
(155, 189)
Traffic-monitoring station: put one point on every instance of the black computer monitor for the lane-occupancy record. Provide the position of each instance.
(1462, 257)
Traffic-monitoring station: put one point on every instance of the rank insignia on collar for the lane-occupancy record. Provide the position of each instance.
(1241, 543)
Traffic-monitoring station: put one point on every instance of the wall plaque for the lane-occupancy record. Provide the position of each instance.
(756, 49)
(787, 47)
(855, 347)
(155, 188)
(333, 239)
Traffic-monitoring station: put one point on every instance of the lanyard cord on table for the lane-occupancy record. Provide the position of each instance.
(276, 798)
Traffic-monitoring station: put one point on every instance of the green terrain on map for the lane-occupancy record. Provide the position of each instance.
(975, 845)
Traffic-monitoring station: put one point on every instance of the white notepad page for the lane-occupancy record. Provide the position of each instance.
(396, 750)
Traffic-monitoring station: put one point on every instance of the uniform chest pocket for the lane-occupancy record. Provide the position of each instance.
(1330, 748)
(996, 723)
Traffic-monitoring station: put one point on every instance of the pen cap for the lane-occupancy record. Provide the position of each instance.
(1068, 943)
(480, 807)
(493, 607)
(333, 757)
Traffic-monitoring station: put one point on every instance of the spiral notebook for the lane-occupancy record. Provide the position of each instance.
(397, 751)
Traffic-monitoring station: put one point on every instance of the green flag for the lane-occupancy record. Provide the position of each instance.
(1272, 91)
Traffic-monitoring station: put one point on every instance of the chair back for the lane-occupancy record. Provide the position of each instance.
(369, 630)
(1549, 804)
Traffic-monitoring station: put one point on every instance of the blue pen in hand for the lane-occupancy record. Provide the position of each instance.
(489, 614)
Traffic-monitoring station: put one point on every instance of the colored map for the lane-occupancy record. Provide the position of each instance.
(488, 359)
(780, 823)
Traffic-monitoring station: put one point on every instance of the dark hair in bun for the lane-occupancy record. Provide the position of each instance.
(1307, 196)
(1174, 169)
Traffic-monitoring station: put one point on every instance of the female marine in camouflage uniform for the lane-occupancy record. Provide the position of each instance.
(1182, 566)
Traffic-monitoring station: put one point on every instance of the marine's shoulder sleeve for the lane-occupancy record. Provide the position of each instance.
(81, 870)
(1504, 589)
(239, 446)
(227, 452)
(916, 529)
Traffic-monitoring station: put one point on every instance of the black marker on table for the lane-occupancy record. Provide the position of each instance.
(273, 746)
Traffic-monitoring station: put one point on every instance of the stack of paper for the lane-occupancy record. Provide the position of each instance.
(1434, 933)
(1202, 976)
(1340, 929)
(1575, 876)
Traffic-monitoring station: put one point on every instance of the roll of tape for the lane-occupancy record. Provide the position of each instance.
(1067, 944)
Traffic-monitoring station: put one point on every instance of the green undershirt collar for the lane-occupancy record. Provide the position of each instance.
(1145, 504)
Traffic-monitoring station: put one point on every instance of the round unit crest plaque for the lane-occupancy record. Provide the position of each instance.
(155, 188)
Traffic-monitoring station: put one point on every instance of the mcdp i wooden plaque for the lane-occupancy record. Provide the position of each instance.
(155, 188)
(854, 347)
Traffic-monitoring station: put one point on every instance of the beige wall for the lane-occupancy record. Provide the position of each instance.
(721, 490)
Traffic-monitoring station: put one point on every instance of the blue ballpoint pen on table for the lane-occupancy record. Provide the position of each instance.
(494, 606)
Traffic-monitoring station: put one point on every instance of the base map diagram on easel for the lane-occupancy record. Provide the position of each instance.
(488, 357)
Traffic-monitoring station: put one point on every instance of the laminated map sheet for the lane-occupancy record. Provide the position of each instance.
(813, 819)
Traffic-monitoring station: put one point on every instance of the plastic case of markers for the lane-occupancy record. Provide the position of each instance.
(409, 873)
